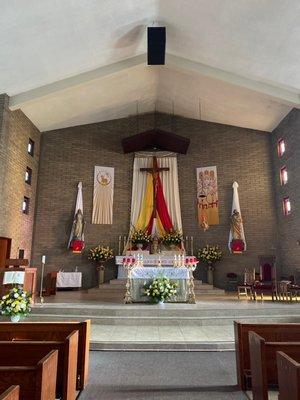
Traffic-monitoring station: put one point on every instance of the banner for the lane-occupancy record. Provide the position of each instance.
(237, 240)
(207, 195)
(103, 195)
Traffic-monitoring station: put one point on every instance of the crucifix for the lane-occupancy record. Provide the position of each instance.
(154, 171)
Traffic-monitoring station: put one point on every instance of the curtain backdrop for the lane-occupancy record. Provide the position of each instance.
(142, 194)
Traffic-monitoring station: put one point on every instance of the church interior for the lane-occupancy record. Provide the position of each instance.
(149, 200)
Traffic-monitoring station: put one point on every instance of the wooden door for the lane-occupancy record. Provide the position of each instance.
(5, 246)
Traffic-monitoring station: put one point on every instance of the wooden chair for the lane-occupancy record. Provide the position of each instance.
(288, 377)
(51, 283)
(267, 282)
(37, 381)
(11, 393)
(246, 288)
(264, 363)
(24, 352)
(54, 331)
(271, 332)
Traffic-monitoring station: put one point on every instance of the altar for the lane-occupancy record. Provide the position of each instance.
(141, 269)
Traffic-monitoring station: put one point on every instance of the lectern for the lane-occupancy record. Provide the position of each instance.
(18, 273)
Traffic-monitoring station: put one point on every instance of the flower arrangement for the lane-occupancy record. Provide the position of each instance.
(15, 303)
(160, 289)
(172, 238)
(140, 236)
(210, 254)
(101, 253)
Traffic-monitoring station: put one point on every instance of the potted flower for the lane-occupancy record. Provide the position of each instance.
(172, 239)
(209, 255)
(160, 289)
(140, 238)
(101, 254)
(16, 304)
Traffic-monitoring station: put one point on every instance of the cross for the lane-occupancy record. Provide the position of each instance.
(154, 171)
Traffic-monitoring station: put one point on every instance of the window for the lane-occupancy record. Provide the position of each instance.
(25, 205)
(283, 175)
(286, 206)
(30, 147)
(28, 175)
(281, 147)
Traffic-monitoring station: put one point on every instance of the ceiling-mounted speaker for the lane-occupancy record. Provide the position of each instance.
(156, 45)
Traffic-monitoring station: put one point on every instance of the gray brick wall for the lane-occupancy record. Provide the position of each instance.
(69, 155)
(288, 226)
(15, 130)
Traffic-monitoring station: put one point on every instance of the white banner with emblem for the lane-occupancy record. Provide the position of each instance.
(103, 195)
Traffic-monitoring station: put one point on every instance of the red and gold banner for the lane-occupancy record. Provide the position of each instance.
(207, 195)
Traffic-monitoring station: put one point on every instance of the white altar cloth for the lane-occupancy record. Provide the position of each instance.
(68, 279)
(153, 272)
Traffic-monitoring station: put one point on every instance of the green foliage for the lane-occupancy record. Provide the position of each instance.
(160, 289)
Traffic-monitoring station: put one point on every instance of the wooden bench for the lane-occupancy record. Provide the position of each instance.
(54, 331)
(288, 377)
(23, 352)
(37, 381)
(11, 393)
(271, 332)
(263, 359)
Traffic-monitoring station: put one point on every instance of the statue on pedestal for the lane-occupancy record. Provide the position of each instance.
(78, 226)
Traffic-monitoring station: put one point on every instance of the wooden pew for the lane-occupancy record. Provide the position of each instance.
(271, 332)
(288, 377)
(54, 331)
(11, 393)
(263, 363)
(23, 352)
(37, 381)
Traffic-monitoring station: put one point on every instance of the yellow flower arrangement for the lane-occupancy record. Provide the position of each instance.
(172, 238)
(210, 254)
(101, 253)
(16, 302)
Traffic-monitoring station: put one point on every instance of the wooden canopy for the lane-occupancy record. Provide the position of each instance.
(156, 139)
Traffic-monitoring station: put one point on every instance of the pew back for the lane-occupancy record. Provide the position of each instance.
(25, 353)
(288, 377)
(263, 363)
(271, 332)
(37, 382)
(54, 331)
(11, 393)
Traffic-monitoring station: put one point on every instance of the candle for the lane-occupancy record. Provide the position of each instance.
(120, 238)
(43, 259)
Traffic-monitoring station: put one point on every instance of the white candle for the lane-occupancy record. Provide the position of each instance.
(43, 259)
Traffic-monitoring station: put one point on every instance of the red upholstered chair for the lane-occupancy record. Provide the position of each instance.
(267, 280)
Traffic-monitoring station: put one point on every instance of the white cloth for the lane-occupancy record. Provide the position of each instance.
(79, 206)
(68, 279)
(153, 272)
(150, 259)
(12, 277)
(236, 206)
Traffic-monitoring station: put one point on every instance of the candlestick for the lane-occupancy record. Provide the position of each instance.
(124, 243)
(186, 244)
(43, 259)
(192, 246)
(42, 278)
(120, 238)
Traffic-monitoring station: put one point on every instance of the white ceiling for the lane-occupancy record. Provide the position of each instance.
(238, 61)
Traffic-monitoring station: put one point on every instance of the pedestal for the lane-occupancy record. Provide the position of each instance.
(100, 270)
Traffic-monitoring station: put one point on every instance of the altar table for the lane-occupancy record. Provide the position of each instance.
(138, 276)
(68, 280)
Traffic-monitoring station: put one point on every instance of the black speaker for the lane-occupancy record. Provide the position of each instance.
(156, 45)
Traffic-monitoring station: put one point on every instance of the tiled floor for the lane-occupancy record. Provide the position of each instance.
(136, 333)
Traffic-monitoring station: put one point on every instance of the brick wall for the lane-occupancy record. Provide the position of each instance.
(15, 130)
(69, 156)
(288, 226)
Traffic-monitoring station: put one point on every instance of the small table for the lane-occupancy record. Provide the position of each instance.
(70, 280)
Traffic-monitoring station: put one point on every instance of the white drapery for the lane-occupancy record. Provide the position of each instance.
(170, 187)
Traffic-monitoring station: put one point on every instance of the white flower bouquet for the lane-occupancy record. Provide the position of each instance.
(16, 302)
(160, 289)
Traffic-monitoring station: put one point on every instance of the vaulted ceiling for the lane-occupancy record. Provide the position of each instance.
(74, 62)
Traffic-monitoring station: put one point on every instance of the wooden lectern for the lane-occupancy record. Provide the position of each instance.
(30, 278)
